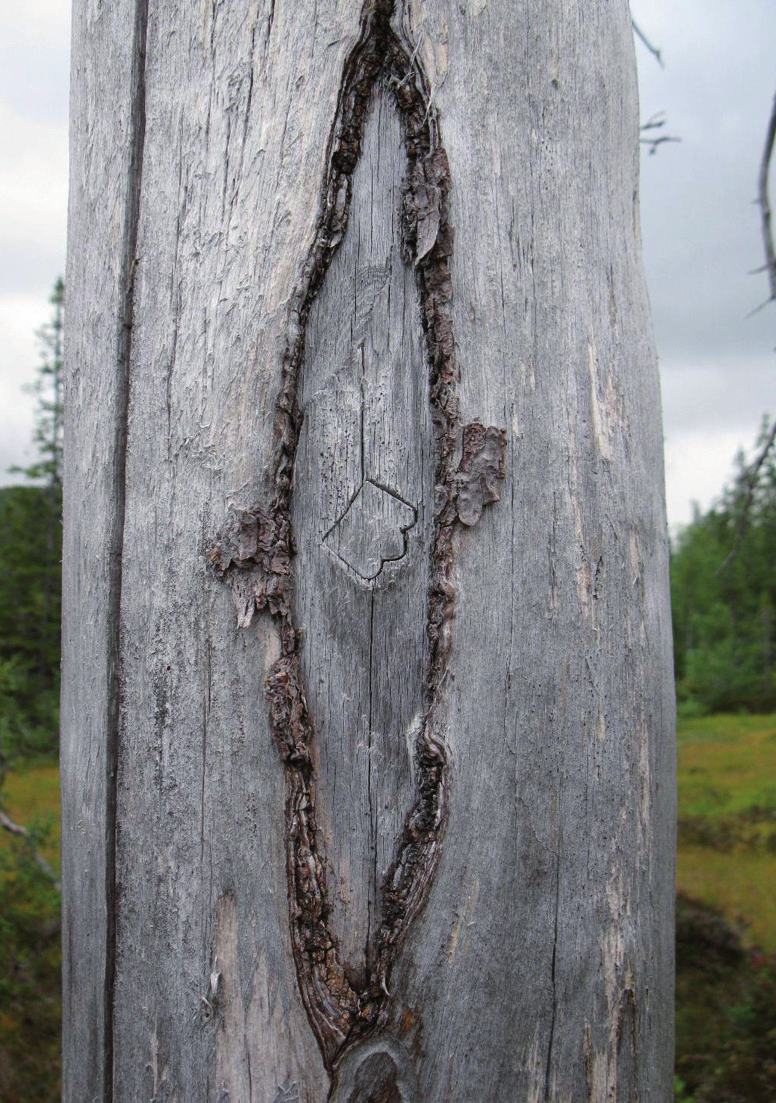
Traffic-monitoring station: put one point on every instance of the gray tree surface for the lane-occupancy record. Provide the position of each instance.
(367, 718)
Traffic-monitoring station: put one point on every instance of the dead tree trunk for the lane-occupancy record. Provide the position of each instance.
(367, 707)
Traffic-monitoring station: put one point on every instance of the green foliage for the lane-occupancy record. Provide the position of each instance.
(726, 1012)
(30, 954)
(725, 998)
(14, 723)
(723, 588)
(30, 611)
(752, 1046)
(727, 817)
(30, 968)
(30, 569)
(680, 1090)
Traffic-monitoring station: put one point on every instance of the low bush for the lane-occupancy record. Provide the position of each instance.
(726, 1011)
(30, 969)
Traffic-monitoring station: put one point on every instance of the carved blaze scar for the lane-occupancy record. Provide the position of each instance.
(255, 552)
(372, 531)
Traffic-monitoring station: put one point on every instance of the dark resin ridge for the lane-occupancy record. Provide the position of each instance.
(254, 550)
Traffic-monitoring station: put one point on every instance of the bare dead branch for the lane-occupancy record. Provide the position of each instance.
(658, 56)
(21, 832)
(656, 123)
(653, 143)
(764, 200)
(751, 476)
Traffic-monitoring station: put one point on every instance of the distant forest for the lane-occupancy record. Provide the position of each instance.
(31, 569)
(30, 609)
(723, 596)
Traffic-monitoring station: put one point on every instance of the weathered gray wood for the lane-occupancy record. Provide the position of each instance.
(366, 430)
(540, 967)
(104, 175)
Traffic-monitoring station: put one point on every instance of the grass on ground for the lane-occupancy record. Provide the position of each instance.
(31, 796)
(30, 954)
(727, 819)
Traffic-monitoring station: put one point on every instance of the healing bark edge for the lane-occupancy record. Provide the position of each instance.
(465, 898)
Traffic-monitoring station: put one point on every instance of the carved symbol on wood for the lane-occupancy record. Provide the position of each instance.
(255, 551)
(287, 1095)
(372, 531)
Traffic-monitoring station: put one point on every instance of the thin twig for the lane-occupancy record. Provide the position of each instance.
(751, 475)
(652, 49)
(761, 306)
(16, 829)
(656, 122)
(653, 143)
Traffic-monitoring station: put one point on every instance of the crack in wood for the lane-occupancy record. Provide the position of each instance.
(124, 343)
(254, 549)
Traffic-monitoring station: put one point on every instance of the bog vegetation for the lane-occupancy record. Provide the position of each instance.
(726, 909)
(723, 580)
(30, 580)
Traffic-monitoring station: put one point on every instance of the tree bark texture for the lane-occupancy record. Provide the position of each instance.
(368, 787)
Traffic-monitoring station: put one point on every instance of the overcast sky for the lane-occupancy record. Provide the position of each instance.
(700, 226)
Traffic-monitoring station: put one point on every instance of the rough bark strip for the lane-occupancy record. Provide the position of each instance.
(255, 548)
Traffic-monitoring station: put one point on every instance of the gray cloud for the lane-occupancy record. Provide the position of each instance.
(701, 234)
(34, 79)
(729, 393)
(700, 226)
(29, 268)
(39, 92)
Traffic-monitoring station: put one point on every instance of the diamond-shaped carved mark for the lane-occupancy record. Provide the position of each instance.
(372, 531)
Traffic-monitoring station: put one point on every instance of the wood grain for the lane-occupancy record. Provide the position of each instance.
(108, 65)
(541, 966)
(363, 398)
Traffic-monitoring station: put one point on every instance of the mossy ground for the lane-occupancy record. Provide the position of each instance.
(30, 953)
(726, 914)
(727, 820)
(31, 795)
